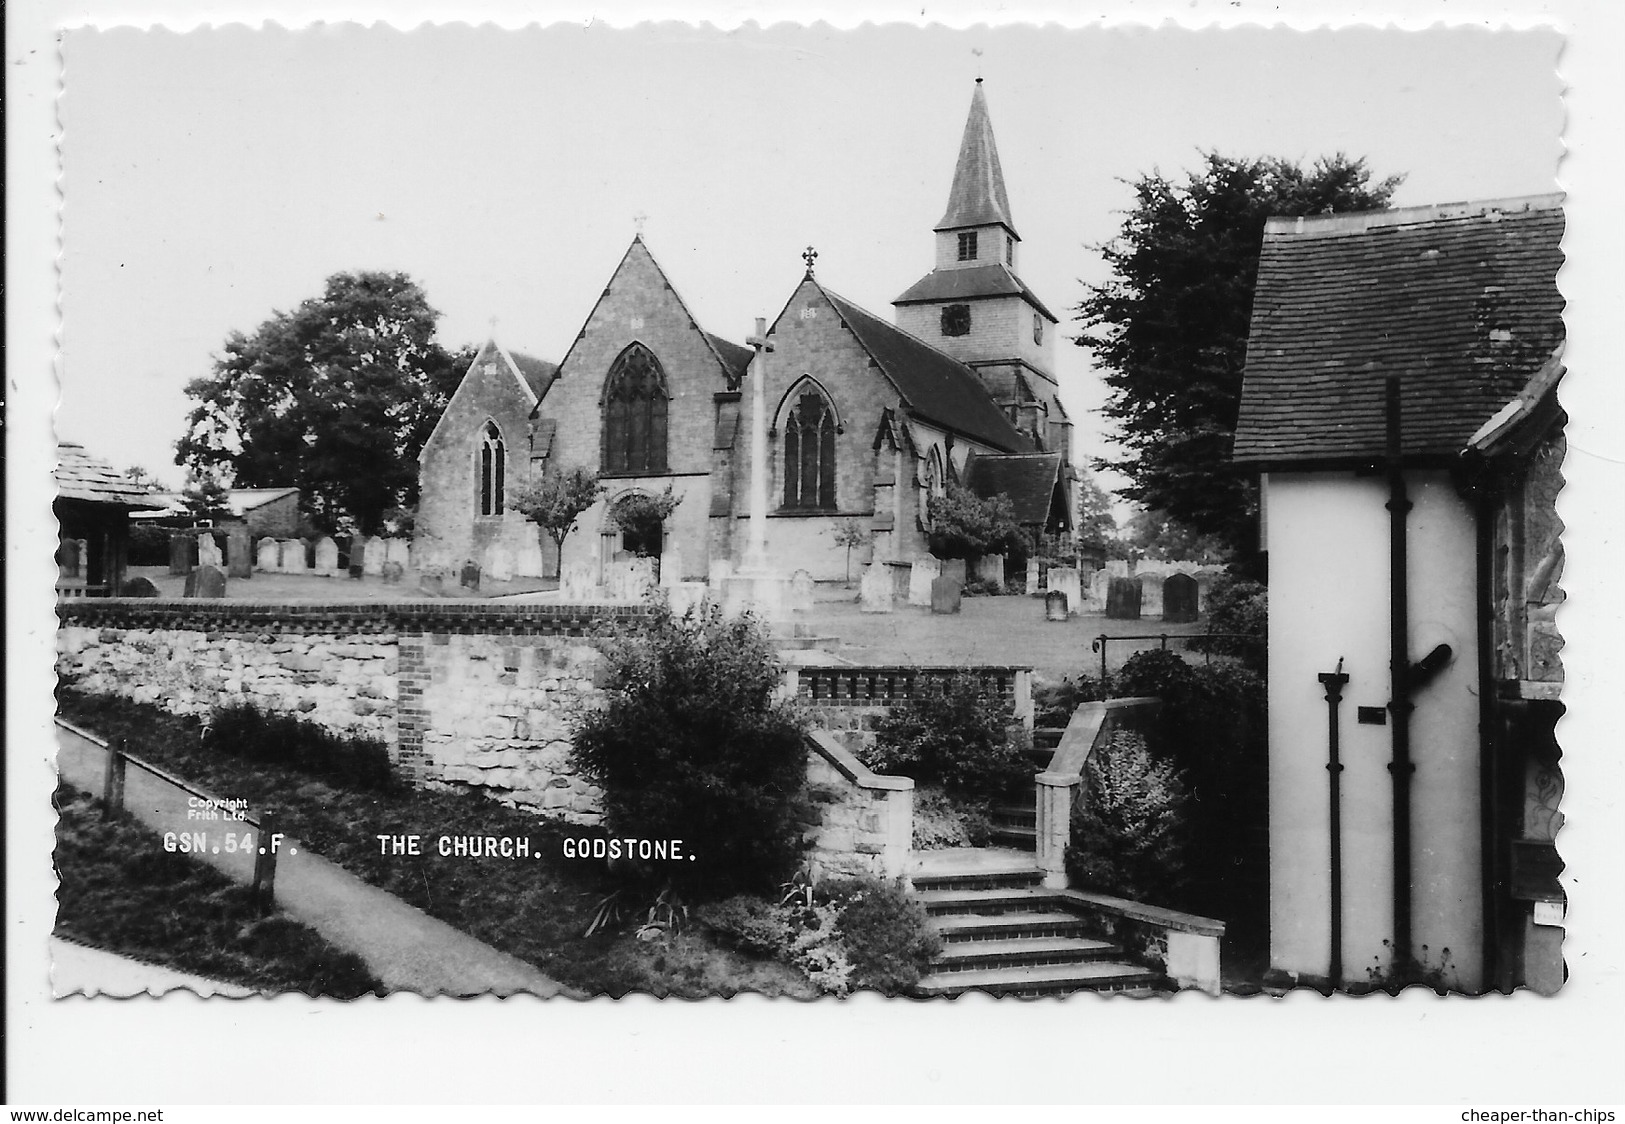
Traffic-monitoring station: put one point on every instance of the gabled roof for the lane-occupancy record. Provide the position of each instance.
(935, 386)
(1459, 301)
(541, 442)
(994, 279)
(1029, 480)
(537, 373)
(735, 357)
(239, 501)
(80, 476)
(977, 197)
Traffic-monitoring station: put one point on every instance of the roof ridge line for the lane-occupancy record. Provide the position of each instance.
(1355, 222)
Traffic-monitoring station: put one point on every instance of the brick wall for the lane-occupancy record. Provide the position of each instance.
(849, 701)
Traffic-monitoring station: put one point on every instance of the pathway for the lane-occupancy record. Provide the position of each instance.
(405, 948)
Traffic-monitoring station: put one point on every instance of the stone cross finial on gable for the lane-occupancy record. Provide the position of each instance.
(638, 220)
(809, 255)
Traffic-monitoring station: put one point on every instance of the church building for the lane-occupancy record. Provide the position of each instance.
(866, 419)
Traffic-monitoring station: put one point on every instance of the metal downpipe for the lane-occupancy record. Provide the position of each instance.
(1400, 707)
(1334, 682)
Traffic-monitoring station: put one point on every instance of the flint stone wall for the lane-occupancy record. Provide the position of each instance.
(467, 696)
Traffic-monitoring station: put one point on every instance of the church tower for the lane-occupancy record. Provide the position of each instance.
(974, 306)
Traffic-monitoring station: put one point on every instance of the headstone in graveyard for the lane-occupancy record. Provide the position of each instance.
(327, 555)
(1032, 576)
(921, 575)
(357, 555)
(268, 560)
(946, 592)
(295, 559)
(1150, 594)
(576, 582)
(206, 582)
(393, 572)
(990, 569)
(1065, 580)
(180, 553)
(671, 565)
(399, 550)
(433, 585)
(138, 587)
(1118, 567)
(1099, 582)
(875, 592)
(239, 552)
(1123, 599)
(373, 556)
(1179, 598)
(801, 591)
(901, 574)
(1055, 608)
(954, 568)
(208, 551)
(468, 579)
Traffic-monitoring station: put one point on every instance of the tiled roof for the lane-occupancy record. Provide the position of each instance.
(1027, 478)
(977, 197)
(541, 442)
(735, 357)
(992, 280)
(1459, 301)
(80, 476)
(537, 373)
(937, 387)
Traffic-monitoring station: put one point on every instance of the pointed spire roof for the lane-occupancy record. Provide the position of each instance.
(978, 197)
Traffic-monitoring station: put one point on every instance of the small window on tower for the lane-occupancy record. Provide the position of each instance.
(956, 320)
(967, 246)
(1009, 250)
(1038, 328)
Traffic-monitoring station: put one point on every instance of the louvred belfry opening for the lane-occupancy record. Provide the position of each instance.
(635, 414)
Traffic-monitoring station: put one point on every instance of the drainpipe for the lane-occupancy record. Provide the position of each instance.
(1489, 766)
(1399, 706)
(1334, 682)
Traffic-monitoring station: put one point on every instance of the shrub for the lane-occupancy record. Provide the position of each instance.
(980, 587)
(1130, 834)
(1240, 607)
(752, 925)
(693, 743)
(955, 734)
(1054, 703)
(148, 546)
(349, 760)
(941, 822)
(888, 940)
(964, 525)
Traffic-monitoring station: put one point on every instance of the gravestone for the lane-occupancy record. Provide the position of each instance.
(801, 591)
(138, 587)
(180, 554)
(576, 582)
(671, 565)
(1179, 598)
(499, 562)
(327, 556)
(946, 593)
(372, 556)
(1032, 576)
(208, 551)
(1204, 582)
(393, 572)
(1055, 608)
(902, 573)
(954, 568)
(529, 560)
(1064, 579)
(990, 569)
(1118, 567)
(295, 560)
(468, 579)
(875, 593)
(433, 585)
(398, 550)
(1123, 599)
(239, 552)
(269, 558)
(206, 581)
(1150, 594)
(1099, 582)
(921, 575)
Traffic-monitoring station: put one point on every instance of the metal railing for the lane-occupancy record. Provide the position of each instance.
(118, 759)
(1194, 641)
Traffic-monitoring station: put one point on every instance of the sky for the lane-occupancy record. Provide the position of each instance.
(212, 178)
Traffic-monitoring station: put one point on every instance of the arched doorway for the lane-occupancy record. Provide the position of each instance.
(636, 529)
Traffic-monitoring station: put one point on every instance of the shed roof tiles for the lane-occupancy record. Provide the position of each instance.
(80, 476)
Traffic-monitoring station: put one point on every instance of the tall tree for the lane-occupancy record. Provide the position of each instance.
(1169, 330)
(556, 500)
(336, 397)
(1097, 526)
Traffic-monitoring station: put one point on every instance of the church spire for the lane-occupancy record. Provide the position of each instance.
(977, 197)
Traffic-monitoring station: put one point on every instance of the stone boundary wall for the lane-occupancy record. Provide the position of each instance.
(473, 695)
(865, 822)
(1184, 946)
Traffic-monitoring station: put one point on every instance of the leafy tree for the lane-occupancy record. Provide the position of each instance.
(851, 533)
(336, 397)
(642, 519)
(964, 525)
(693, 742)
(205, 498)
(1169, 330)
(1097, 526)
(143, 479)
(556, 500)
(1158, 536)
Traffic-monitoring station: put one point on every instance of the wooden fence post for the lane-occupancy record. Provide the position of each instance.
(113, 780)
(265, 863)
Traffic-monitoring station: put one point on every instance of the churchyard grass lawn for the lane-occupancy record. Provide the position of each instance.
(536, 908)
(122, 892)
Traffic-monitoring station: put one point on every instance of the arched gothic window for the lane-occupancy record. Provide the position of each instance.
(493, 469)
(935, 485)
(635, 414)
(809, 453)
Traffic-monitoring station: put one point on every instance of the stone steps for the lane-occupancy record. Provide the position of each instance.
(1004, 932)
